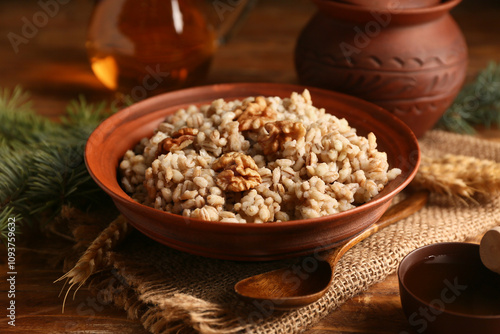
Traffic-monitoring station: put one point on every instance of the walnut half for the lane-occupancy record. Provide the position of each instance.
(275, 134)
(239, 172)
(179, 140)
(255, 114)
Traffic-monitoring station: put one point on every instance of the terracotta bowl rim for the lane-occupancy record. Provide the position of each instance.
(448, 245)
(125, 199)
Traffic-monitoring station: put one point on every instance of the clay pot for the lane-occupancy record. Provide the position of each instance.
(411, 62)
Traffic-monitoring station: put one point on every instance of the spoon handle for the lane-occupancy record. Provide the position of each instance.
(413, 203)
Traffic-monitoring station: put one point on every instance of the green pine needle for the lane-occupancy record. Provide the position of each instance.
(12, 173)
(18, 124)
(478, 103)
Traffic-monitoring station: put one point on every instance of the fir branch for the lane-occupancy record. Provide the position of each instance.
(81, 118)
(478, 103)
(41, 162)
(81, 113)
(12, 173)
(18, 123)
(16, 99)
(59, 176)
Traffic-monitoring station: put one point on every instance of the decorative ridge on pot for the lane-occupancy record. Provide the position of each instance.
(411, 62)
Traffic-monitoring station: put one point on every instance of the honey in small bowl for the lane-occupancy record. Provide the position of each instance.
(445, 288)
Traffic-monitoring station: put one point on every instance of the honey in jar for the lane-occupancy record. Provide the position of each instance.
(143, 47)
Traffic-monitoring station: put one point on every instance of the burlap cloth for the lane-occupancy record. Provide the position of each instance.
(169, 291)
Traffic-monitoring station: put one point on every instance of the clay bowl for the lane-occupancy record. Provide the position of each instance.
(122, 131)
(445, 288)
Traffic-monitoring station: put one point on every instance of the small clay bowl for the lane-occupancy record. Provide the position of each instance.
(445, 288)
(122, 131)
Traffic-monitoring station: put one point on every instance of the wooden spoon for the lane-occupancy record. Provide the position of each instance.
(298, 286)
(489, 249)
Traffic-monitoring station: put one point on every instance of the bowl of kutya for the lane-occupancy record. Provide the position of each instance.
(252, 171)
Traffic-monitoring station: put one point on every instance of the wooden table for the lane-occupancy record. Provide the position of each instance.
(53, 67)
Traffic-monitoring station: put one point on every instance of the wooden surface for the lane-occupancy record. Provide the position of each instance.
(53, 67)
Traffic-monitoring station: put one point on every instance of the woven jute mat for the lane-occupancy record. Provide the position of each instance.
(169, 291)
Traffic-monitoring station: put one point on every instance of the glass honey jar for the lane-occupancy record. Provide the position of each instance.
(141, 48)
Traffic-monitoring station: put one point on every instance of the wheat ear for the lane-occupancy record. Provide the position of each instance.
(94, 257)
(458, 175)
